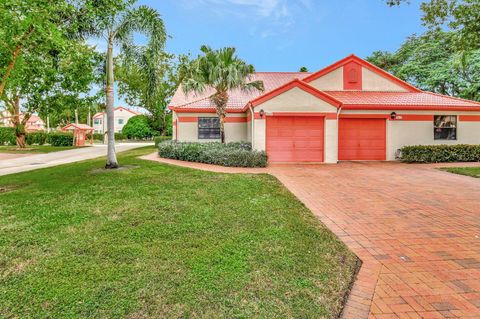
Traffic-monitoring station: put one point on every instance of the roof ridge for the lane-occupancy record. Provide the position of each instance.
(451, 97)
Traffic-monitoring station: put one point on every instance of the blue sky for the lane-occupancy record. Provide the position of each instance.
(283, 35)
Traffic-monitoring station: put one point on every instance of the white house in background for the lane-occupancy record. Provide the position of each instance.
(121, 117)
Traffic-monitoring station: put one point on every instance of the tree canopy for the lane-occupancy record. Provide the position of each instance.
(431, 62)
(460, 16)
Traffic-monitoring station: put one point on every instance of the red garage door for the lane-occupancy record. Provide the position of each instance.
(362, 139)
(295, 138)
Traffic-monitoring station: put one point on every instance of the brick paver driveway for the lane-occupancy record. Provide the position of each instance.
(416, 229)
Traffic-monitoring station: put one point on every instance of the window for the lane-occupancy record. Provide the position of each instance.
(97, 121)
(208, 128)
(445, 127)
(120, 121)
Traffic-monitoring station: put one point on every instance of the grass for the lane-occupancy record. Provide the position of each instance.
(159, 241)
(469, 171)
(34, 149)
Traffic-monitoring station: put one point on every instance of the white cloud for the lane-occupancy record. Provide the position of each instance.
(266, 18)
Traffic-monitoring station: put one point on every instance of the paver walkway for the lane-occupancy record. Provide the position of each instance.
(416, 229)
(10, 165)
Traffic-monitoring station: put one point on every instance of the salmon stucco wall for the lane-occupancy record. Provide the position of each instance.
(187, 128)
(295, 100)
(332, 81)
(331, 141)
(374, 82)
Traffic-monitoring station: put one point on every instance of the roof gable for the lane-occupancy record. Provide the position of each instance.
(296, 83)
(353, 60)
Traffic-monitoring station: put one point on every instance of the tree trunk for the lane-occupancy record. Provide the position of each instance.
(109, 110)
(15, 55)
(20, 136)
(220, 99)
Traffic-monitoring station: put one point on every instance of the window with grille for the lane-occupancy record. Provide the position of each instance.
(208, 128)
(445, 127)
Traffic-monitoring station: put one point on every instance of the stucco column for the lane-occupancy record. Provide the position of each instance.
(331, 140)
(259, 135)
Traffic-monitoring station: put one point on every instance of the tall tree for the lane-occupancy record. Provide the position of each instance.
(223, 71)
(148, 79)
(117, 25)
(432, 63)
(460, 16)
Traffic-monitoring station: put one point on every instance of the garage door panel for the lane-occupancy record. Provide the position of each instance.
(295, 139)
(362, 139)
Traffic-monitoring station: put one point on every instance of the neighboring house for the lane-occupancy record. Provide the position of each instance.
(350, 110)
(121, 117)
(34, 123)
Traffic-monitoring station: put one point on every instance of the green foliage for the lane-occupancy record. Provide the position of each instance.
(217, 245)
(231, 154)
(36, 138)
(431, 63)
(440, 153)
(137, 127)
(160, 139)
(303, 69)
(120, 136)
(7, 136)
(60, 139)
(462, 17)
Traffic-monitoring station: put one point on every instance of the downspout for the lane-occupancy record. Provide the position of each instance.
(252, 124)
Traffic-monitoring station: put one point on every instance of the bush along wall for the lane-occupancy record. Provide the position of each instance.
(160, 139)
(7, 136)
(232, 154)
(440, 153)
(60, 139)
(36, 138)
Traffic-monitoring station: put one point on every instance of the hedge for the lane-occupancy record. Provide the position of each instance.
(440, 153)
(232, 154)
(38, 138)
(160, 139)
(7, 136)
(60, 139)
(100, 136)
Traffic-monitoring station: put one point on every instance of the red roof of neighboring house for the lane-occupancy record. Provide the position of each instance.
(237, 98)
(404, 100)
(99, 114)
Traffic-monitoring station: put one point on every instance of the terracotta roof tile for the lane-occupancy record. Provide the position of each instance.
(237, 98)
(400, 98)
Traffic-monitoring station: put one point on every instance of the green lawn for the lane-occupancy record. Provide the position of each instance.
(469, 171)
(34, 149)
(158, 241)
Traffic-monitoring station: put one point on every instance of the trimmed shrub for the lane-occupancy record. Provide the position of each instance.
(119, 137)
(60, 139)
(160, 139)
(440, 153)
(7, 136)
(38, 138)
(137, 127)
(232, 154)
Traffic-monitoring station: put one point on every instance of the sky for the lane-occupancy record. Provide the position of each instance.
(284, 35)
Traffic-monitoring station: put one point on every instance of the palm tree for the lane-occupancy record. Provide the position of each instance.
(117, 28)
(223, 71)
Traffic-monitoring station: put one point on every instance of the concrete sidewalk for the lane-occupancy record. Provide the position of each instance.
(28, 163)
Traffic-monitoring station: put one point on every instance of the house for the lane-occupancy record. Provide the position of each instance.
(34, 123)
(121, 117)
(350, 110)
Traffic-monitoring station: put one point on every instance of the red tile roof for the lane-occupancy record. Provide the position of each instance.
(277, 82)
(238, 99)
(403, 100)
